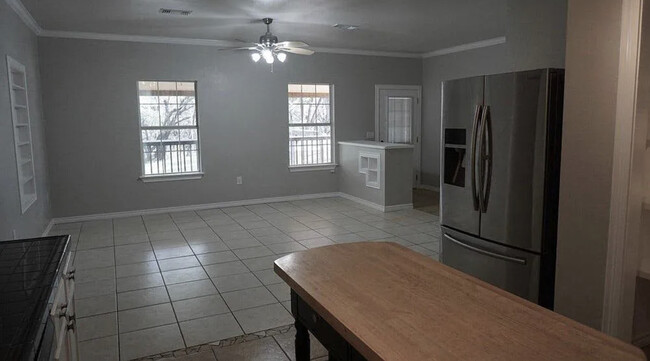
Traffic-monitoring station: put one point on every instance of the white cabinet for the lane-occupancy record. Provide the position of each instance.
(62, 314)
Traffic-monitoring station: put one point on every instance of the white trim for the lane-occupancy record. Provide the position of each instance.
(195, 207)
(170, 177)
(375, 206)
(137, 38)
(393, 54)
(625, 200)
(48, 228)
(464, 47)
(25, 16)
(428, 187)
(245, 202)
(313, 168)
(416, 126)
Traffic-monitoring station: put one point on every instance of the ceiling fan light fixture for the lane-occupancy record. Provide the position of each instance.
(282, 57)
(256, 57)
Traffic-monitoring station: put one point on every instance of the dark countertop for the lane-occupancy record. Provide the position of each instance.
(28, 272)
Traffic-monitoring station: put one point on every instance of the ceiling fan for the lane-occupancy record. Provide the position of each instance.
(270, 49)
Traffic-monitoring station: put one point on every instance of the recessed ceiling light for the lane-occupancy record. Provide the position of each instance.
(346, 27)
(175, 12)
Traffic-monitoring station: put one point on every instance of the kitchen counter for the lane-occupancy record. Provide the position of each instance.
(384, 302)
(377, 174)
(28, 274)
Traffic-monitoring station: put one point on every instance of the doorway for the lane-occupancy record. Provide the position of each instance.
(398, 119)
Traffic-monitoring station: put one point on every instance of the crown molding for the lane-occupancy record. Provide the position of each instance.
(25, 16)
(137, 38)
(393, 54)
(464, 47)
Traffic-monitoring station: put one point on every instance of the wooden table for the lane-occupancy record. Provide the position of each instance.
(382, 301)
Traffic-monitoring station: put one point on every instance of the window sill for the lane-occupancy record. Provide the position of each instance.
(170, 177)
(313, 168)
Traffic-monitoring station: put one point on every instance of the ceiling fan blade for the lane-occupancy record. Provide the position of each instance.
(299, 51)
(292, 44)
(249, 47)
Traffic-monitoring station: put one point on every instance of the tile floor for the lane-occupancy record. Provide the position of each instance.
(157, 283)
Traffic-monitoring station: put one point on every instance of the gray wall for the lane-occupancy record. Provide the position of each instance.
(20, 43)
(535, 38)
(587, 150)
(90, 98)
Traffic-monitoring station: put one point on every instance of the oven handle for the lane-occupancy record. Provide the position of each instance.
(521, 261)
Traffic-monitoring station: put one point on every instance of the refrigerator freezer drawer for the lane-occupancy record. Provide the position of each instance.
(510, 269)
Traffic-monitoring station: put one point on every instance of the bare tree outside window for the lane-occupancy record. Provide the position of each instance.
(169, 128)
(310, 125)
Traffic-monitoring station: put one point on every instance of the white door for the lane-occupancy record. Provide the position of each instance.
(397, 119)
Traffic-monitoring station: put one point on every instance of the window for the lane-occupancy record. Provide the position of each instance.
(22, 133)
(169, 128)
(311, 130)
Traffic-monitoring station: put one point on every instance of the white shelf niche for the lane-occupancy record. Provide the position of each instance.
(370, 165)
(22, 133)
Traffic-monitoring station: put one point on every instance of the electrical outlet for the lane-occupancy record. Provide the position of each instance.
(240, 180)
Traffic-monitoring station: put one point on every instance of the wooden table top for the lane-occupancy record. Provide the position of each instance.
(392, 304)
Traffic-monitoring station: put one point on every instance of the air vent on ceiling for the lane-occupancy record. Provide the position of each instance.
(346, 27)
(175, 12)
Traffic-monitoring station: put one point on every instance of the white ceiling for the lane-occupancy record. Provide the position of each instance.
(416, 26)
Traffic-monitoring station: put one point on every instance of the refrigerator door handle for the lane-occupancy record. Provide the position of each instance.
(485, 149)
(521, 261)
(481, 159)
(472, 156)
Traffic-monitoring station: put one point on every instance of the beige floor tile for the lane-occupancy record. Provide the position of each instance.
(199, 307)
(99, 349)
(146, 317)
(248, 298)
(210, 329)
(181, 291)
(150, 341)
(141, 298)
(265, 349)
(263, 318)
(97, 326)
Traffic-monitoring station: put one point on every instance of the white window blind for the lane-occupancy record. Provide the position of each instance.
(169, 128)
(400, 113)
(22, 133)
(310, 125)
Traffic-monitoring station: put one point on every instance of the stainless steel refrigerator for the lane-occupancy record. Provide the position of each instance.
(500, 150)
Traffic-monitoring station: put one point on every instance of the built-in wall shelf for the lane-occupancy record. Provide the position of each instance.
(369, 164)
(644, 269)
(22, 133)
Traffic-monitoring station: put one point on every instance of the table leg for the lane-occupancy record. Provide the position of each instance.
(302, 342)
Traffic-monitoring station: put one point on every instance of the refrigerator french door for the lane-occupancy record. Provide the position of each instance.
(500, 164)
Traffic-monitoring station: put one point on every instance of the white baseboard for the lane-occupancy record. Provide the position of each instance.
(195, 207)
(642, 341)
(48, 228)
(246, 202)
(428, 187)
(376, 206)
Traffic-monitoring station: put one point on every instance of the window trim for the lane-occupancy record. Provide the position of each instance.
(323, 166)
(149, 178)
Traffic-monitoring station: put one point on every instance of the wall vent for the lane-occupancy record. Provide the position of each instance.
(175, 12)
